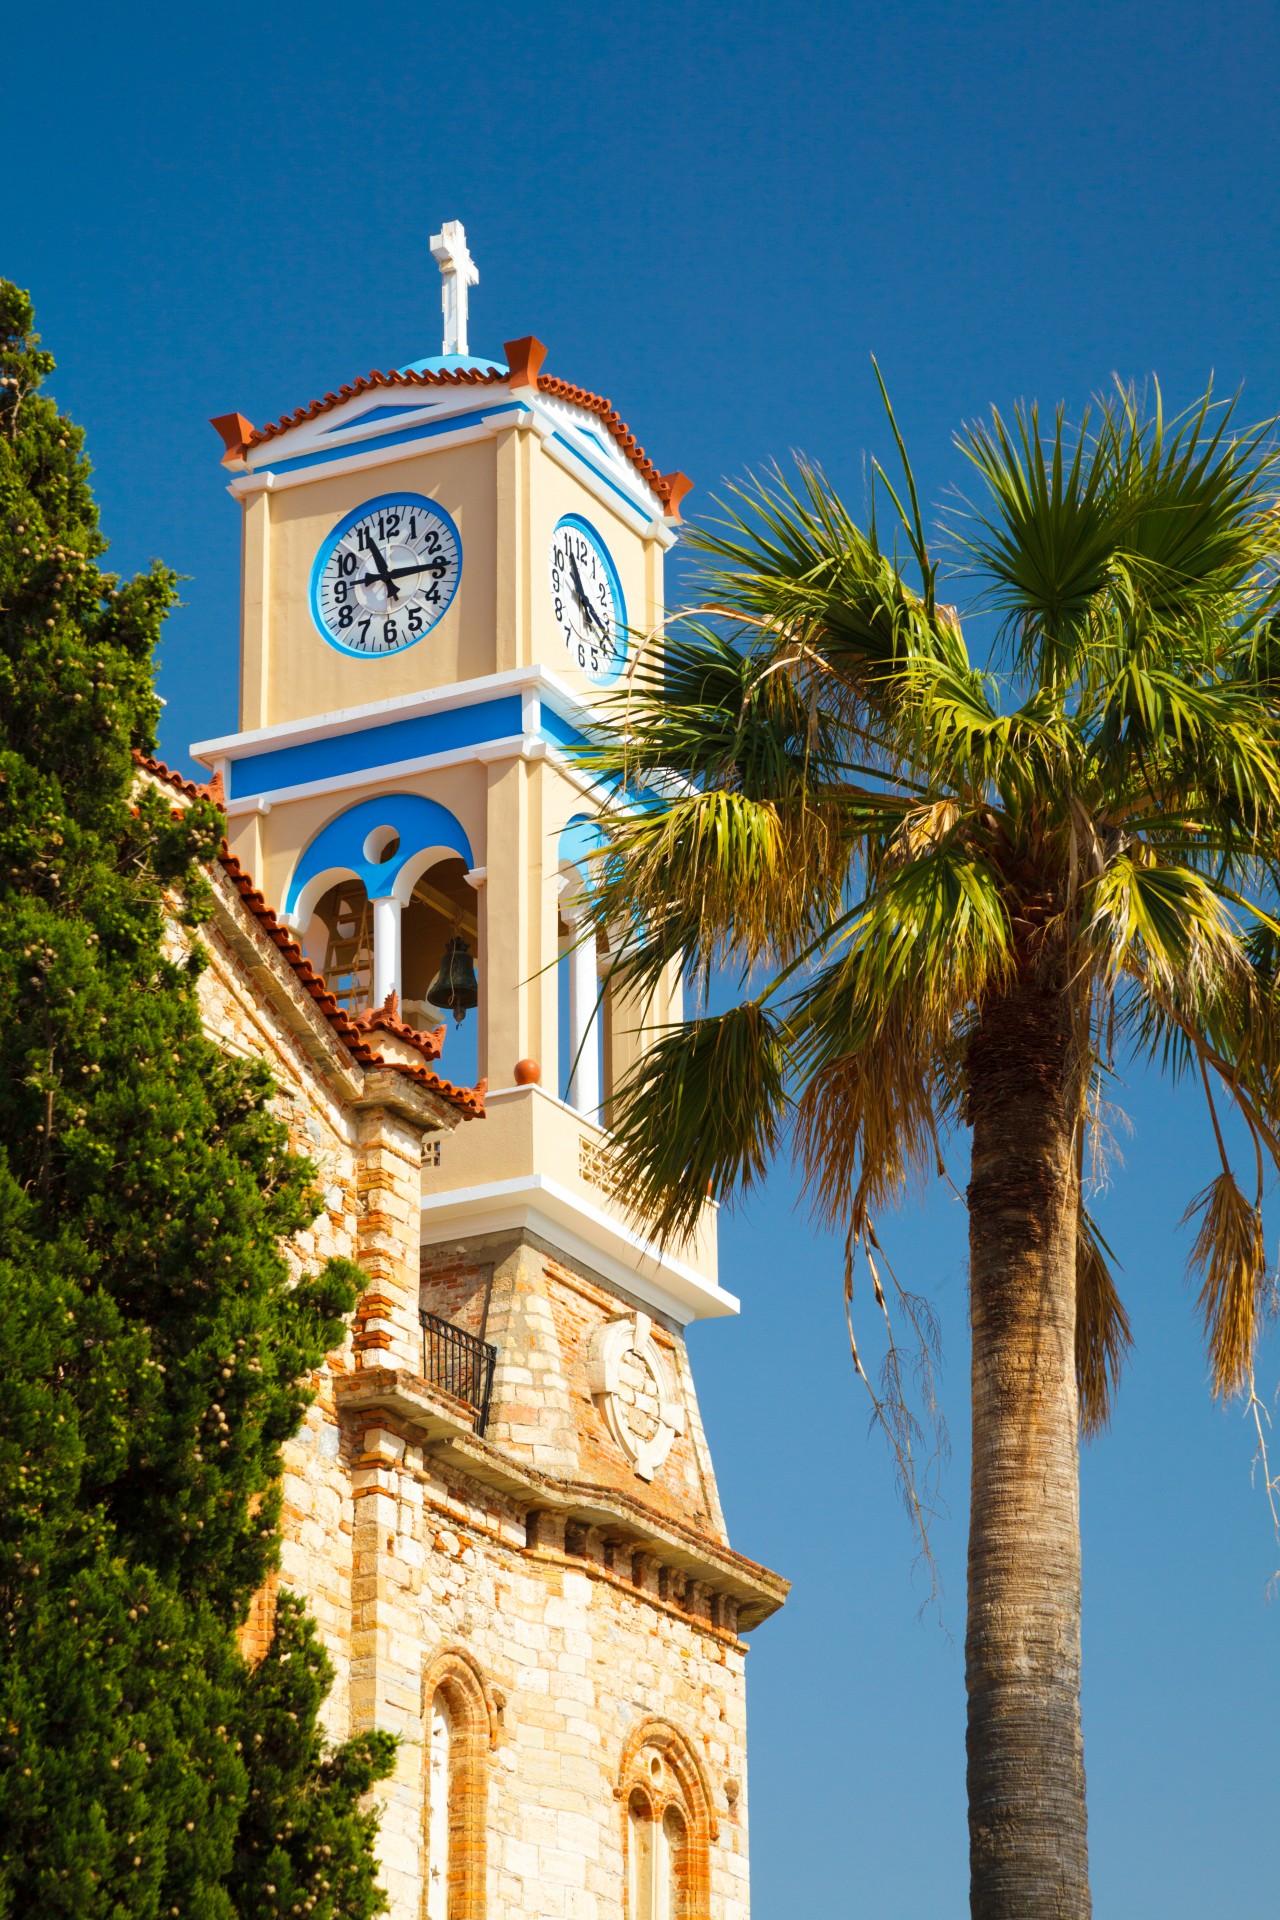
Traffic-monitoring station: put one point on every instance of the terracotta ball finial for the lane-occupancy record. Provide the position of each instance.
(528, 1073)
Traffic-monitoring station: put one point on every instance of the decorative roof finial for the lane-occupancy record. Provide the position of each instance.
(458, 271)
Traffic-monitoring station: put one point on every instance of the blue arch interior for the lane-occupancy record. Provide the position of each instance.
(419, 822)
(582, 837)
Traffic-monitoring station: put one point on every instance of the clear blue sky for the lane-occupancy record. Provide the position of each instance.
(714, 215)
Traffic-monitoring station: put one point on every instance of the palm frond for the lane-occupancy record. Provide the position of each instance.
(717, 878)
(1047, 541)
(1166, 924)
(701, 1111)
(934, 926)
(1235, 1289)
(793, 561)
(1194, 496)
(866, 1122)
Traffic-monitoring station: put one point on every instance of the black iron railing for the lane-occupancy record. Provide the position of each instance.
(456, 1362)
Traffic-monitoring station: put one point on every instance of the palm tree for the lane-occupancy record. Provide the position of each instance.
(948, 897)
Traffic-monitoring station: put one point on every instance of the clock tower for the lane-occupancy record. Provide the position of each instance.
(445, 569)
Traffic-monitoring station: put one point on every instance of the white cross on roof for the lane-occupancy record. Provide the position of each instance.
(458, 271)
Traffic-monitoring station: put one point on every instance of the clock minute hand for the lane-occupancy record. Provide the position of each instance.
(583, 600)
(398, 573)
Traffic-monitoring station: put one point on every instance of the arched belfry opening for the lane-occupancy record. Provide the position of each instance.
(338, 941)
(583, 997)
(441, 908)
(384, 904)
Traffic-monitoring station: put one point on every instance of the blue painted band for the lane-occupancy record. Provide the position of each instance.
(374, 413)
(599, 472)
(557, 731)
(370, 747)
(429, 428)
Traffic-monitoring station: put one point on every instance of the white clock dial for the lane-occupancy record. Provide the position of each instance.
(586, 600)
(385, 575)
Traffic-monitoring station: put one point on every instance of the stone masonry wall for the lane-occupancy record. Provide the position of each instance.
(572, 1647)
(574, 1657)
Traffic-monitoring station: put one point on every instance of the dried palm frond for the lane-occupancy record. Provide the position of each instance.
(1233, 1299)
(864, 1125)
(1104, 1337)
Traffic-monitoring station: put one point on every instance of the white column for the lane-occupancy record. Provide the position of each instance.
(386, 948)
(584, 994)
(438, 1785)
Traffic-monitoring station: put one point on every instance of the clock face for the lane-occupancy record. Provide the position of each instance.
(586, 599)
(385, 575)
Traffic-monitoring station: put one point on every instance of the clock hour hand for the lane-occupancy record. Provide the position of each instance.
(584, 602)
(387, 578)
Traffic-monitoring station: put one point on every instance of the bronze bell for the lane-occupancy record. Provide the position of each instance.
(454, 986)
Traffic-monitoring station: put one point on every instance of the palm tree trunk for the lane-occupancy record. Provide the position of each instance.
(1028, 1850)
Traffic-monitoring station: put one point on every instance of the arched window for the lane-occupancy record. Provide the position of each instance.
(460, 1728)
(441, 907)
(338, 941)
(669, 1826)
(639, 1856)
(671, 1865)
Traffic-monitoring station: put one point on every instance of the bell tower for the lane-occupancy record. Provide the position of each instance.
(445, 568)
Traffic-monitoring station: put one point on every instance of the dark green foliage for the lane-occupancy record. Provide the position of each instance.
(295, 1840)
(154, 1348)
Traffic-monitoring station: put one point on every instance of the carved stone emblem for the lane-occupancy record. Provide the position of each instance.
(631, 1385)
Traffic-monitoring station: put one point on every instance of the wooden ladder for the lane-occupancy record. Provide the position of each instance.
(348, 959)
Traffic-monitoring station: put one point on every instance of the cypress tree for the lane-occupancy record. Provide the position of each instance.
(154, 1343)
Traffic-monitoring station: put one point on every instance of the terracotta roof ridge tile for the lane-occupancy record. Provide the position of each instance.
(612, 421)
(386, 1019)
(367, 383)
(670, 488)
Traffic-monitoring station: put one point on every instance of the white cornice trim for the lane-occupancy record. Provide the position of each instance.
(584, 1232)
(512, 748)
(356, 462)
(537, 680)
(629, 496)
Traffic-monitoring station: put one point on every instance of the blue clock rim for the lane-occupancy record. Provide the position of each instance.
(583, 525)
(345, 525)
